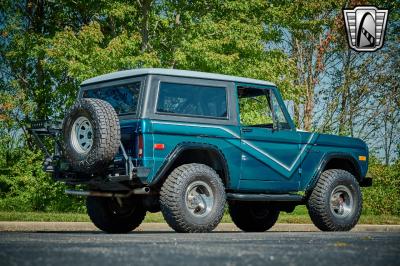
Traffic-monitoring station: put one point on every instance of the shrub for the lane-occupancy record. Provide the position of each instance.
(383, 196)
(25, 187)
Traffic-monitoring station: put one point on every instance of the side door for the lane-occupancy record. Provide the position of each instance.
(271, 146)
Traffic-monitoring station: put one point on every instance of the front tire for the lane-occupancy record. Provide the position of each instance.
(110, 216)
(253, 216)
(335, 203)
(192, 199)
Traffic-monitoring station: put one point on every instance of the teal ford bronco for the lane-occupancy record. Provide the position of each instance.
(187, 143)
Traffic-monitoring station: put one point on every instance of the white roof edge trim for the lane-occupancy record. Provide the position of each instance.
(173, 72)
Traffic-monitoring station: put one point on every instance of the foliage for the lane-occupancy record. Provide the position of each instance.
(382, 197)
(25, 187)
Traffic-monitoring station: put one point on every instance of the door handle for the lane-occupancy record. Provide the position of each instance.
(247, 129)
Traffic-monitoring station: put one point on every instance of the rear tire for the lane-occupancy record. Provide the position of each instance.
(335, 203)
(110, 217)
(193, 198)
(253, 216)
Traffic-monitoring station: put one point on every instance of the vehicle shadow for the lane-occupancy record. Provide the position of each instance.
(91, 232)
(130, 233)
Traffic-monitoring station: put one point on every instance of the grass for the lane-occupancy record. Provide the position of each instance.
(300, 215)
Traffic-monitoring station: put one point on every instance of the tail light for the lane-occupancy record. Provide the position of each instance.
(140, 146)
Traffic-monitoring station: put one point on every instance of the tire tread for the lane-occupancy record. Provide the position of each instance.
(171, 190)
(317, 204)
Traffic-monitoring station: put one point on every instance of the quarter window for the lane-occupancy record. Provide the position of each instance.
(124, 98)
(192, 100)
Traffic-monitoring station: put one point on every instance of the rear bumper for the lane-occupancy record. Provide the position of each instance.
(138, 173)
(106, 182)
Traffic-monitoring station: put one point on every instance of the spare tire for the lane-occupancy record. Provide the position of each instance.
(91, 135)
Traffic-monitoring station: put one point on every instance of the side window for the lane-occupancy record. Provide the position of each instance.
(254, 108)
(192, 100)
(260, 108)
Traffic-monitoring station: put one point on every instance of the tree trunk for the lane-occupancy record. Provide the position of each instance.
(345, 93)
(145, 8)
(309, 107)
(309, 104)
(296, 114)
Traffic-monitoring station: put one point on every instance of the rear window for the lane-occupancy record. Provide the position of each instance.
(124, 98)
(192, 100)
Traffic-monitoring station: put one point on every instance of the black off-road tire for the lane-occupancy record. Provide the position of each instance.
(319, 202)
(253, 216)
(110, 217)
(106, 135)
(173, 195)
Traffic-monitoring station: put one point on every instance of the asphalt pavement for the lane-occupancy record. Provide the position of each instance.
(217, 248)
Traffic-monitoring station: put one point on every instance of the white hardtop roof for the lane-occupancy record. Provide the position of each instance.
(173, 72)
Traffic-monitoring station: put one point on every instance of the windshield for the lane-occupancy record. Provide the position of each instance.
(124, 98)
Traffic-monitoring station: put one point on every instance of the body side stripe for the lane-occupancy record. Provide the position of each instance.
(287, 168)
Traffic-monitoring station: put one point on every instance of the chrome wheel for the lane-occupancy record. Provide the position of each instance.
(82, 135)
(199, 198)
(341, 202)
